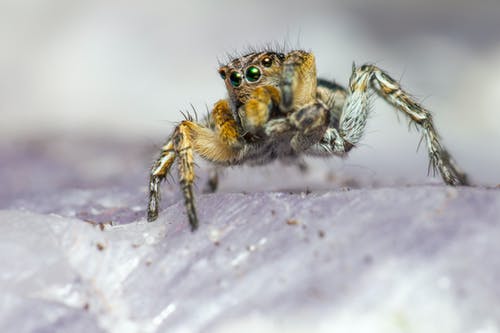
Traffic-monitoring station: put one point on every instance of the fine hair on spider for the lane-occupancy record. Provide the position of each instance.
(277, 108)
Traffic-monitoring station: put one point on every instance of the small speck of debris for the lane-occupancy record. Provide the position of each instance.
(100, 225)
(273, 212)
(100, 246)
(148, 262)
(214, 235)
(292, 222)
(86, 306)
(251, 248)
(321, 233)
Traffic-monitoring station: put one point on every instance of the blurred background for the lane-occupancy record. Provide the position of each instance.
(96, 85)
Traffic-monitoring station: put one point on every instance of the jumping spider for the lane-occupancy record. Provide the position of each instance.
(278, 110)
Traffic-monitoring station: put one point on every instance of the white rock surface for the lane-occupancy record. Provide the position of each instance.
(409, 259)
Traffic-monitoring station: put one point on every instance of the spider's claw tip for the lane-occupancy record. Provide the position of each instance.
(194, 225)
(152, 216)
(193, 220)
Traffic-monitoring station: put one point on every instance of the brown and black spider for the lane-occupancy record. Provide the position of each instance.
(277, 109)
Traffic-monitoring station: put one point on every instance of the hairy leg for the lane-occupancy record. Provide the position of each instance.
(183, 144)
(355, 113)
(158, 173)
(311, 123)
(391, 92)
(190, 137)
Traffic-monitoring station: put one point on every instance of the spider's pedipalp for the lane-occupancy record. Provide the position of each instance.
(298, 81)
(255, 113)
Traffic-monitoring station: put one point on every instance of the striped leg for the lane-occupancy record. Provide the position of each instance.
(219, 145)
(355, 113)
(440, 159)
(183, 146)
(158, 173)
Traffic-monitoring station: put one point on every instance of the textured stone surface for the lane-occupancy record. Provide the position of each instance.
(399, 259)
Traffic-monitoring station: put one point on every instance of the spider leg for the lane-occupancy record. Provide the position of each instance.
(304, 127)
(183, 144)
(158, 173)
(311, 122)
(391, 92)
(218, 145)
(355, 112)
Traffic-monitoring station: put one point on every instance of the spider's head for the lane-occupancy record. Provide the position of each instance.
(244, 74)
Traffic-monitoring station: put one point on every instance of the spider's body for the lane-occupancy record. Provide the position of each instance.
(277, 109)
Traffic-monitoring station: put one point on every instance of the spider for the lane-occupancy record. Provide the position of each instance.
(277, 109)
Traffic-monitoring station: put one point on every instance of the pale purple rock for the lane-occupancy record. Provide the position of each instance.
(372, 258)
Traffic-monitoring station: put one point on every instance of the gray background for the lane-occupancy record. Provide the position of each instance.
(122, 70)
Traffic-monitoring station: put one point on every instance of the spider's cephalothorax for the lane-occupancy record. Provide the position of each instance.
(278, 109)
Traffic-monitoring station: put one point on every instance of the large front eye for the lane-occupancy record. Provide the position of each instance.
(252, 74)
(235, 79)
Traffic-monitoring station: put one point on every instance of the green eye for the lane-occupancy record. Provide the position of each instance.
(252, 74)
(222, 74)
(235, 79)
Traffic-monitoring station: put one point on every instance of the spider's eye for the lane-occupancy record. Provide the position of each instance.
(235, 79)
(252, 74)
(267, 62)
(222, 74)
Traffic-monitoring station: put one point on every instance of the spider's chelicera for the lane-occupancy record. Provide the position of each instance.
(277, 109)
